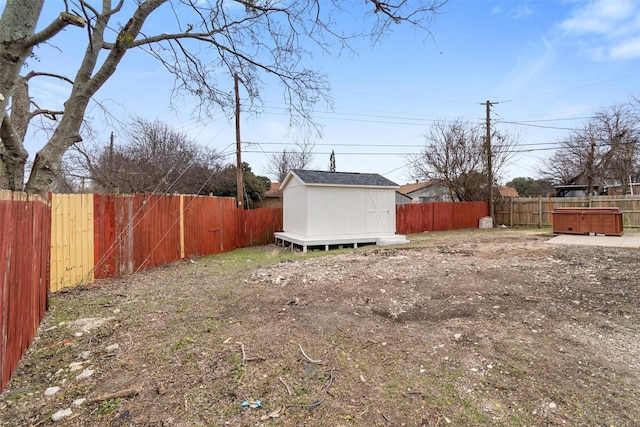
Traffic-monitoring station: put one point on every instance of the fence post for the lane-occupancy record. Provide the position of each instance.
(181, 226)
(511, 212)
(540, 212)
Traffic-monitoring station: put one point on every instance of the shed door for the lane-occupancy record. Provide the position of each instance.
(377, 206)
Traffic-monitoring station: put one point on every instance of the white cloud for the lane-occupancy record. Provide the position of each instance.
(626, 49)
(605, 29)
(496, 10)
(599, 16)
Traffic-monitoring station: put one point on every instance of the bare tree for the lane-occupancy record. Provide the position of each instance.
(605, 151)
(207, 44)
(280, 164)
(455, 157)
(620, 131)
(155, 158)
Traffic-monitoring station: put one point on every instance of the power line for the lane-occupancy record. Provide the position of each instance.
(537, 126)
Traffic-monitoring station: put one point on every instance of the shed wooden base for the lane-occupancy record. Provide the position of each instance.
(287, 239)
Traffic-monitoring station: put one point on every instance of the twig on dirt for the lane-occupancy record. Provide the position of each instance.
(248, 359)
(285, 385)
(244, 356)
(368, 342)
(326, 387)
(42, 421)
(130, 392)
(385, 417)
(310, 360)
(315, 404)
(528, 297)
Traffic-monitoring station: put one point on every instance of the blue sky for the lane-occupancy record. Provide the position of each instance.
(547, 64)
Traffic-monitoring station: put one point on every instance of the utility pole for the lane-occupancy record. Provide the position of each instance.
(238, 153)
(489, 160)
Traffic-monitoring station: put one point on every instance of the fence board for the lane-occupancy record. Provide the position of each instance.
(257, 226)
(72, 248)
(24, 247)
(104, 236)
(205, 221)
(439, 216)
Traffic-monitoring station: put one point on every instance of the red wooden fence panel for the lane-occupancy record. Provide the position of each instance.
(257, 226)
(159, 233)
(439, 216)
(443, 216)
(135, 232)
(206, 227)
(105, 240)
(25, 239)
(147, 227)
(469, 214)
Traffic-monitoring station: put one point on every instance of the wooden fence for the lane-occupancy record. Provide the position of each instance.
(101, 236)
(24, 250)
(536, 212)
(439, 216)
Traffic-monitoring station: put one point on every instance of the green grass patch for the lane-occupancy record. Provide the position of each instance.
(107, 407)
(240, 259)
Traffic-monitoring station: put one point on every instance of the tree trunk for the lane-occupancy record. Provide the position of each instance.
(13, 157)
(18, 22)
(86, 83)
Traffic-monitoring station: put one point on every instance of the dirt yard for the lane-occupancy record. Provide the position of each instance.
(483, 327)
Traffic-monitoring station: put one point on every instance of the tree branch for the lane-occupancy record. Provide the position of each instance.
(54, 28)
(31, 74)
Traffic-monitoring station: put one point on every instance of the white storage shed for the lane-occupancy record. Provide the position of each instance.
(326, 209)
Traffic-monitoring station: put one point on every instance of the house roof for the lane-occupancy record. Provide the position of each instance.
(508, 192)
(340, 178)
(410, 188)
(415, 186)
(274, 191)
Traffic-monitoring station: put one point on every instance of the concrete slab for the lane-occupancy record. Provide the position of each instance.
(627, 240)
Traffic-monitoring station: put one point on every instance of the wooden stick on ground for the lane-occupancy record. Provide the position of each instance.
(130, 392)
(285, 384)
(319, 362)
(244, 356)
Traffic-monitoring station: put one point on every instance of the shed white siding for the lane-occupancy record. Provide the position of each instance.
(330, 209)
(343, 210)
(294, 205)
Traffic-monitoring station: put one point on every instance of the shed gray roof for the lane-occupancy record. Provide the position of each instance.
(343, 178)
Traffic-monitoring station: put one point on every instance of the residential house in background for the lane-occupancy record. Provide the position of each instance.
(616, 190)
(422, 192)
(402, 199)
(272, 198)
(575, 190)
